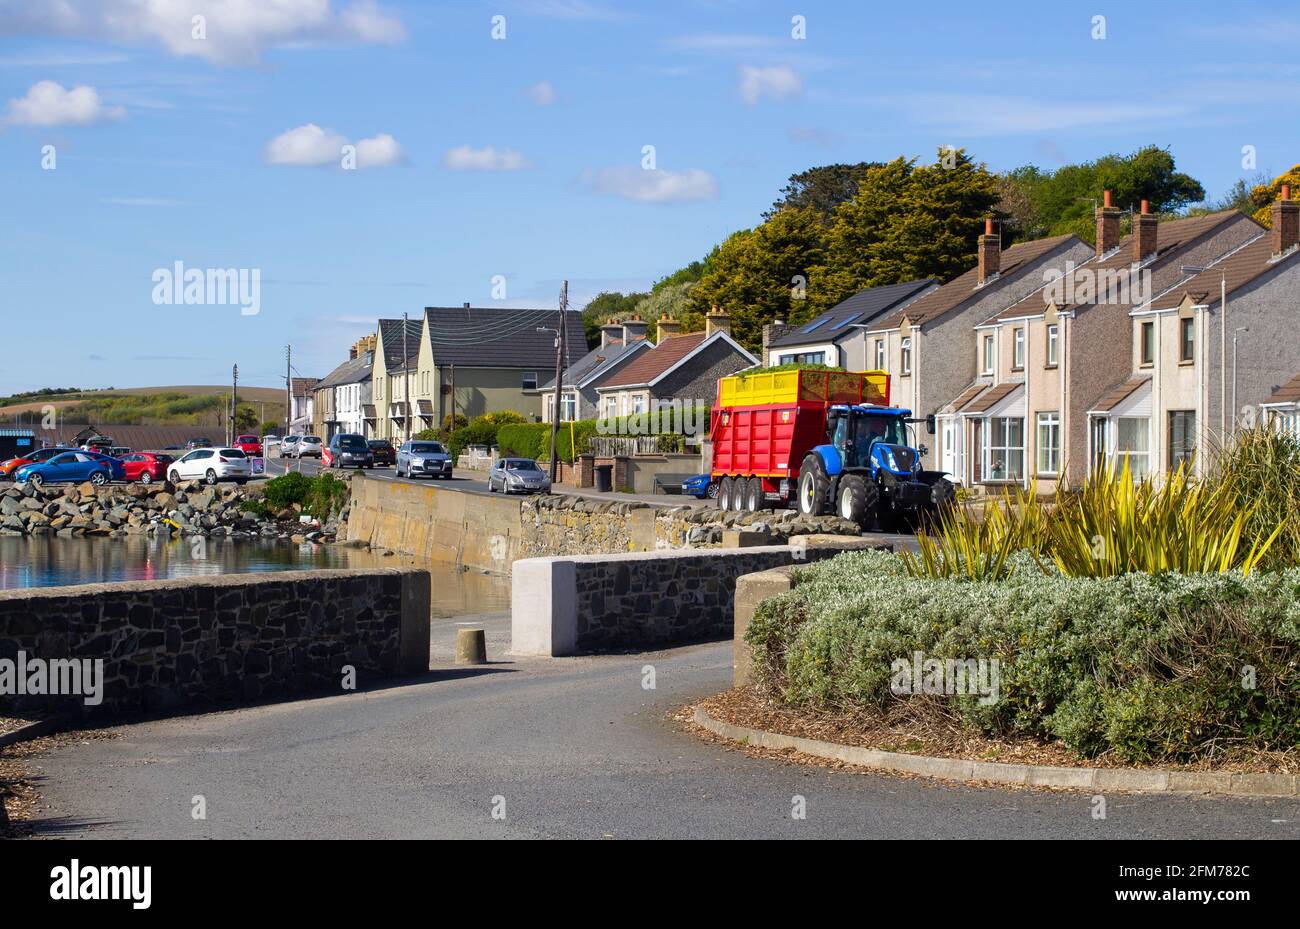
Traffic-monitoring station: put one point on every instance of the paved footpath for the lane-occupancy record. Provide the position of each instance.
(575, 747)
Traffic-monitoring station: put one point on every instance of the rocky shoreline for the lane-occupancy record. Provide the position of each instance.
(224, 510)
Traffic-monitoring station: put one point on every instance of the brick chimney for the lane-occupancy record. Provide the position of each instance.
(634, 328)
(668, 327)
(1286, 222)
(990, 252)
(717, 321)
(771, 332)
(612, 331)
(1144, 233)
(1107, 225)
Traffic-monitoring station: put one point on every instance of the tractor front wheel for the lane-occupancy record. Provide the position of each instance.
(858, 500)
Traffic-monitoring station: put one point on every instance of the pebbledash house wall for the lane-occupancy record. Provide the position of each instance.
(216, 640)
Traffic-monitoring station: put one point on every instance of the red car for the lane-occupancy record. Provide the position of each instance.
(37, 456)
(250, 445)
(147, 467)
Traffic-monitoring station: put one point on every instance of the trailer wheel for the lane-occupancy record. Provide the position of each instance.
(858, 500)
(943, 496)
(813, 485)
(754, 494)
(726, 490)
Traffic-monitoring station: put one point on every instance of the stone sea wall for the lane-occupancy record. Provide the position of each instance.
(204, 640)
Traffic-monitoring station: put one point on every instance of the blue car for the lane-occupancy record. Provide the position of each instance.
(73, 468)
(701, 486)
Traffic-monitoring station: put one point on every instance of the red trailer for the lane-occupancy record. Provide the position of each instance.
(764, 423)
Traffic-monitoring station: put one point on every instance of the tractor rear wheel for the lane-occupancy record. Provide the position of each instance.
(813, 485)
(726, 491)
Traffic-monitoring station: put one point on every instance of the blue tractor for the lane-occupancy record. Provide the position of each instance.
(869, 471)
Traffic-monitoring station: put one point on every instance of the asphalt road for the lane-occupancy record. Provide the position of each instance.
(566, 748)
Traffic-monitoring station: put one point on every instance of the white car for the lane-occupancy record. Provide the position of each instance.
(211, 465)
(309, 446)
(289, 446)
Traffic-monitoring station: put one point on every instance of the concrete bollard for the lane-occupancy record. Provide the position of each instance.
(471, 646)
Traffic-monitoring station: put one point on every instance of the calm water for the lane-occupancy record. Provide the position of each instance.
(51, 561)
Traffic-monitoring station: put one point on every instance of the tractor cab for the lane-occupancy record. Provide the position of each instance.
(873, 438)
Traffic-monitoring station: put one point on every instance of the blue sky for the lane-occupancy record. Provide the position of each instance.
(522, 157)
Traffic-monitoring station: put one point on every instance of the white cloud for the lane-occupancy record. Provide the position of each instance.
(306, 145)
(658, 186)
(310, 145)
(50, 104)
(465, 158)
(380, 152)
(237, 31)
(542, 93)
(778, 82)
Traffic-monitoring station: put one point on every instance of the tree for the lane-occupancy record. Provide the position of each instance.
(1062, 201)
(1262, 196)
(605, 305)
(672, 301)
(907, 222)
(761, 274)
(821, 189)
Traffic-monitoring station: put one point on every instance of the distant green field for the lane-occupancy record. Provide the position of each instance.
(189, 406)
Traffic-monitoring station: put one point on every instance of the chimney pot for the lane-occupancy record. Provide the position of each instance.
(1106, 202)
(1146, 206)
(1145, 233)
(717, 321)
(1107, 225)
(1285, 231)
(988, 226)
(990, 253)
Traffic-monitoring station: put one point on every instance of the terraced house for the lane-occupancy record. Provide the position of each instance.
(388, 415)
(1042, 363)
(619, 344)
(1209, 354)
(926, 345)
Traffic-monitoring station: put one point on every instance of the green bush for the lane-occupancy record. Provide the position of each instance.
(321, 496)
(1144, 667)
(287, 490)
(524, 439)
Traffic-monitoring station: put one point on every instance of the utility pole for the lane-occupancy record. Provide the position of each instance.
(234, 404)
(406, 380)
(559, 382)
(288, 390)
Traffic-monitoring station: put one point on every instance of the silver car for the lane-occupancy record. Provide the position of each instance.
(309, 446)
(418, 458)
(518, 475)
(289, 446)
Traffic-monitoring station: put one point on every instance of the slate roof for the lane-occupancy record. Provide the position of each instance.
(390, 334)
(1171, 236)
(1287, 393)
(1118, 395)
(650, 364)
(950, 296)
(1240, 267)
(495, 337)
(862, 307)
(352, 371)
(600, 361)
(994, 395)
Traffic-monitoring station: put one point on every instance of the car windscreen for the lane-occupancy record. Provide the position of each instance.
(521, 464)
(310, 440)
(353, 443)
(426, 448)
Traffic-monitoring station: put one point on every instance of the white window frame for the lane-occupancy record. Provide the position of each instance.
(527, 378)
(989, 361)
(1053, 344)
(569, 407)
(1139, 459)
(882, 360)
(1018, 348)
(905, 356)
(1051, 423)
(1011, 452)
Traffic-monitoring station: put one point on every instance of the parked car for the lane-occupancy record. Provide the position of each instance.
(270, 442)
(250, 445)
(289, 446)
(518, 475)
(8, 467)
(100, 444)
(211, 465)
(423, 459)
(146, 467)
(701, 486)
(73, 467)
(119, 452)
(383, 451)
(200, 442)
(348, 450)
(309, 446)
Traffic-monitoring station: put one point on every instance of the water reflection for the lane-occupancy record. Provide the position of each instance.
(51, 561)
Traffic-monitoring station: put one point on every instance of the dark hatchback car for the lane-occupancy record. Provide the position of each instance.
(347, 450)
(385, 454)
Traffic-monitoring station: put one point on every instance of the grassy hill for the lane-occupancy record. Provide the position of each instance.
(151, 406)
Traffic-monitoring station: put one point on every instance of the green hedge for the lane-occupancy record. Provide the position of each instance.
(524, 439)
(1148, 668)
(321, 496)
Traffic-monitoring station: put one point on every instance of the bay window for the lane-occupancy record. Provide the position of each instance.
(1004, 452)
